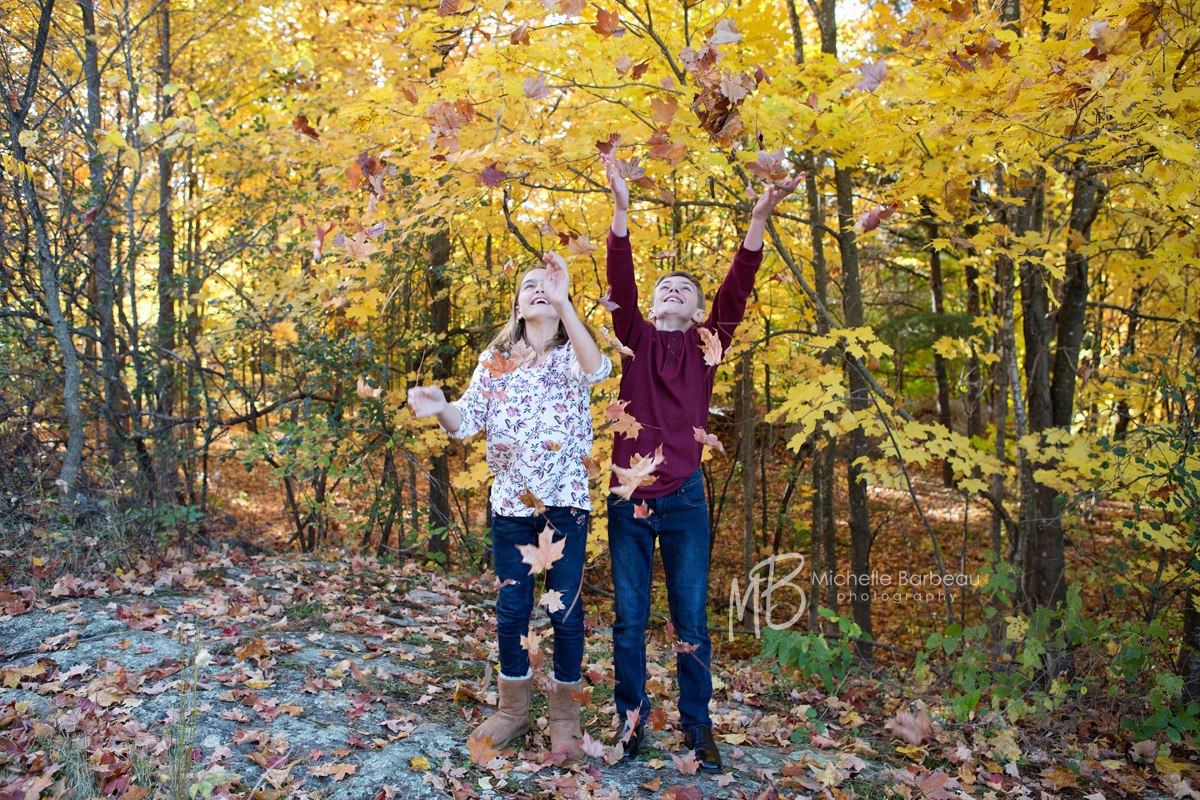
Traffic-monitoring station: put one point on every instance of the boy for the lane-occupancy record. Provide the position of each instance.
(668, 387)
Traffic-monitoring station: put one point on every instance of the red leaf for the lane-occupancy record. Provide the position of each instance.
(608, 23)
(447, 7)
(300, 125)
(491, 176)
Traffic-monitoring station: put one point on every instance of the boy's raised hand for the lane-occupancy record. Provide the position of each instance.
(557, 282)
(425, 401)
(620, 189)
(775, 192)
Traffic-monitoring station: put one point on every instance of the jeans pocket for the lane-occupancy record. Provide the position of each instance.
(693, 495)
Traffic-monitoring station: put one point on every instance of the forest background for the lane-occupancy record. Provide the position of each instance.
(234, 235)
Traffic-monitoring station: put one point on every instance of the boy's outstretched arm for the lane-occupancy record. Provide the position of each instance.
(620, 193)
(729, 303)
(557, 285)
(621, 281)
(763, 208)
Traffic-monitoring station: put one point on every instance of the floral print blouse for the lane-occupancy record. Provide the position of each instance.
(539, 425)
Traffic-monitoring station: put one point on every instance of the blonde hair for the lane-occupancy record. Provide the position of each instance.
(514, 329)
(679, 273)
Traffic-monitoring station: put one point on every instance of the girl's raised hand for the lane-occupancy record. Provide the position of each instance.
(620, 189)
(426, 401)
(557, 282)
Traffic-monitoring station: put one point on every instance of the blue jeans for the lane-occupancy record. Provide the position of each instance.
(515, 603)
(680, 523)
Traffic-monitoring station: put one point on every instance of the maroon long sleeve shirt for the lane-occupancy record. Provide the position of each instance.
(667, 383)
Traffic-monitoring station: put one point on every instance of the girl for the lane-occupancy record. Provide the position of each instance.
(531, 392)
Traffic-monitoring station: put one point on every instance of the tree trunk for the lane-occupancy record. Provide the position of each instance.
(439, 474)
(69, 474)
(744, 411)
(938, 307)
(101, 238)
(167, 290)
(860, 519)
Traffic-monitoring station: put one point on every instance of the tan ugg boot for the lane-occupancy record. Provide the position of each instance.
(512, 718)
(563, 713)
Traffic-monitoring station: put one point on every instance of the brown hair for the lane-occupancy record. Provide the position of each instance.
(514, 329)
(679, 273)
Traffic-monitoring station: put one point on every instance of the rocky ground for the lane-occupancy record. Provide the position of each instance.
(346, 681)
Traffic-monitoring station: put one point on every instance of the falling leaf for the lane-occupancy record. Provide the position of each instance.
(912, 728)
(711, 346)
(639, 472)
(580, 245)
(520, 355)
(642, 511)
(639, 70)
(632, 716)
(547, 551)
(870, 220)
(662, 109)
(623, 65)
(300, 126)
(725, 32)
(552, 600)
(571, 8)
(447, 7)
(609, 146)
(608, 23)
(592, 467)
(662, 147)
(491, 176)
(627, 426)
(592, 747)
(873, 75)
(530, 500)
(768, 166)
(365, 390)
(606, 300)
(535, 87)
(360, 247)
(706, 438)
(614, 343)
(682, 647)
(531, 641)
(520, 35)
(319, 241)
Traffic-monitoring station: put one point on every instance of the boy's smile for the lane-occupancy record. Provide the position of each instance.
(676, 304)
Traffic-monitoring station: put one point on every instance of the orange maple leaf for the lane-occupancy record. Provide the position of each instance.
(711, 346)
(627, 426)
(481, 750)
(530, 500)
(638, 473)
(545, 553)
(614, 343)
(608, 23)
(592, 467)
(686, 765)
(704, 437)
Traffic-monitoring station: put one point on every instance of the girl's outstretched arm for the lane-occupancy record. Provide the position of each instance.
(428, 401)
(620, 193)
(557, 285)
